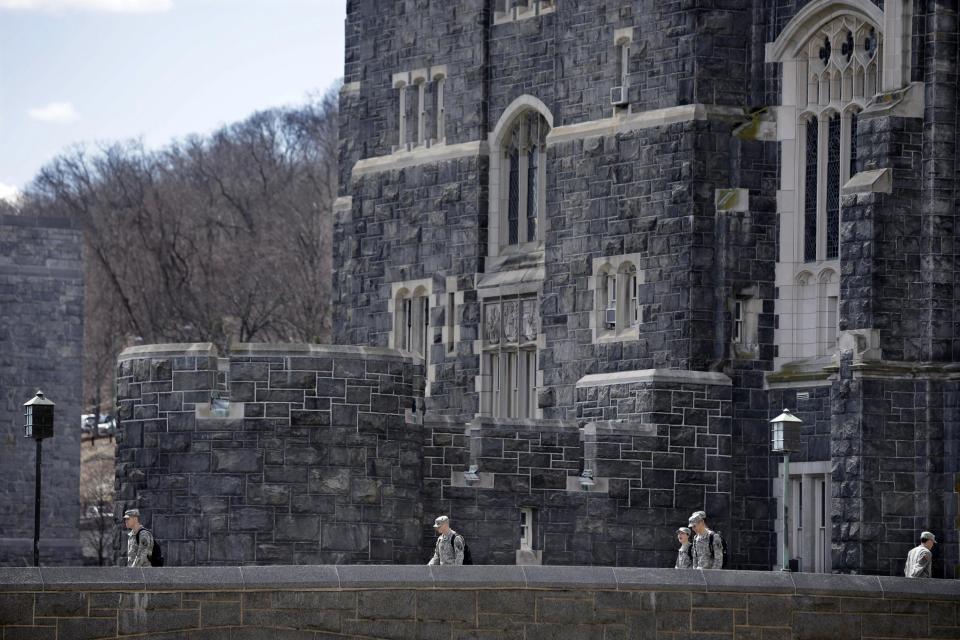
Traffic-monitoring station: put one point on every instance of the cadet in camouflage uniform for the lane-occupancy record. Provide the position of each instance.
(702, 556)
(137, 553)
(685, 553)
(449, 547)
(920, 559)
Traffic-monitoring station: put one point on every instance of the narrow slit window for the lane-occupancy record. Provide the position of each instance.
(451, 321)
(421, 112)
(533, 192)
(833, 188)
(738, 322)
(441, 133)
(402, 124)
(810, 193)
(853, 143)
(407, 331)
(424, 327)
(513, 198)
(610, 314)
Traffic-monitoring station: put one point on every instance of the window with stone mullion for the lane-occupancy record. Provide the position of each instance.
(524, 179)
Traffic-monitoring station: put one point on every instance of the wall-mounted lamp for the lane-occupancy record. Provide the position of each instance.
(586, 479)
(471, 475)
(219, 404)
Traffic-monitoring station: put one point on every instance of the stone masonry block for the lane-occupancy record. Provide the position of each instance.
(236, 460)
(386, 604)
(456, 606)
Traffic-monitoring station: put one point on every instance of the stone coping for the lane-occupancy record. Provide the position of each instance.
(669, 376)
(254, 349)
(351, 577)
(490, 422)
(167, 350)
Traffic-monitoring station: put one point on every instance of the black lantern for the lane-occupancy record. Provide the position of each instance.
(38, 415)
(784, 438)
(38, 424)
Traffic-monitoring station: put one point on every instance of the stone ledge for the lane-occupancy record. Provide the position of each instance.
(167, 350)
(352, 577)
(418, 156)
(670, 376)
(254, 349)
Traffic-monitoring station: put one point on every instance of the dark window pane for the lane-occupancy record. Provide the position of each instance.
(853, 144)
(513, 200)
(833, 188)
(532, 192)
(810, 195)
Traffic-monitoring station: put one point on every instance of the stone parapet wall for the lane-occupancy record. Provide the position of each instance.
(418, 602)
(316, 460)
(646, 480)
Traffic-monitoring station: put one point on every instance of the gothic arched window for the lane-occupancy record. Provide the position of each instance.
(841, 61)
(524, 154)
(830, 59)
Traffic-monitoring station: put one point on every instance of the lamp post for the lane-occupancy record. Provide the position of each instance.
(38, 424)
(784, 438)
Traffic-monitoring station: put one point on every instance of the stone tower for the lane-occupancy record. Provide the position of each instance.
(41, 347)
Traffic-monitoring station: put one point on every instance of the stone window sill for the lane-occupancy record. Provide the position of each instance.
(623, 335)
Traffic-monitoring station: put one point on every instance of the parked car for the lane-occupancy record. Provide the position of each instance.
(87, 423)
(105, 425)
(93, 512)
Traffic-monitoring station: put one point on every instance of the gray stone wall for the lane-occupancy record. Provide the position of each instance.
(648, 479)
(892, 443)
(318, 460)
(410, 224)
(353, 602)
(41, 347)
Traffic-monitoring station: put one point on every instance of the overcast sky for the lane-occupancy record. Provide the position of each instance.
(89, 71)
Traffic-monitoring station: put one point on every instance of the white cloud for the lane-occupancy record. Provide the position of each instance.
(55, 112)
(9, 192)
(57, 6)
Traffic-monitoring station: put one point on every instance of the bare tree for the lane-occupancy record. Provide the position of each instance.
(221, 238)
(97, 521)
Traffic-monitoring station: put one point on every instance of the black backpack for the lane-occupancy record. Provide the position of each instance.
(723, 547)
(466, 548)
(156, 556)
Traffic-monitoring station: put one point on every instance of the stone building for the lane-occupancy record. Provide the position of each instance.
(41, 347)
(584, 252)
(625, 234)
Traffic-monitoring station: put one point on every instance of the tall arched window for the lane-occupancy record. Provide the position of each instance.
(523, 153)
(830, 58)
(841, 61)
(518, 172)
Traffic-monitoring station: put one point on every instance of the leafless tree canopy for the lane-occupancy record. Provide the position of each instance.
(218, 239)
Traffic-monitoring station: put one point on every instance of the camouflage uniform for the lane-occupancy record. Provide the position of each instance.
(684, 557)
(919, 563)
(701, 551)
(447, 552)
(137, 554)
